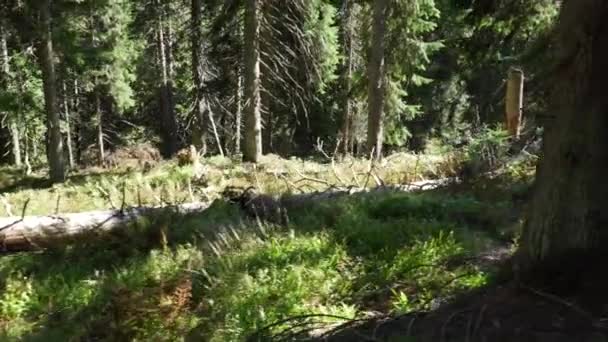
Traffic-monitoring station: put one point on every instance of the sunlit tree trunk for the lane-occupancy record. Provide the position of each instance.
(514, 101)
(68, 125)
(26, 152)
(375, 72)
(569, 209)
(100, 141)
(47, 65)
(252, 150)
(238, 116)
(78, 124)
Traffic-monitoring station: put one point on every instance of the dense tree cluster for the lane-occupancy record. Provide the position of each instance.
(80, 78)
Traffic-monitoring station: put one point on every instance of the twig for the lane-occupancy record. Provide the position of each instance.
(190, 192)
(558, 300)
(333, 167)
(57, 204)
(447, 322)
(138, 196)
(27, 201)
(319, 148)
(255, 176)
(124, 197)
(316, 180)
(479, 319)
(355, 179)
(289, 184)
(106, 195)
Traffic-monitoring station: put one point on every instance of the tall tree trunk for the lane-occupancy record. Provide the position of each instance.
(376, 73)
(47, 65)
(347, 74)
(100, 142)
(26, 152)
(169, 124)
(78, 122)
(199, 135)
(514, 101)
(68, 125)
(252, 149)
(96, 94)
(13, 126)
(569, 209)
(238, 116)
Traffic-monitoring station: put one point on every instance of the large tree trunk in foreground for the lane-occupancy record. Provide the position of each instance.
(47, 65)
(514, 101)
(375, 72)
(36, 232)
(252, 149)
(569, 208)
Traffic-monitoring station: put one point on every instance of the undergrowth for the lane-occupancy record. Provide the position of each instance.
(221, 276)
(94, 189)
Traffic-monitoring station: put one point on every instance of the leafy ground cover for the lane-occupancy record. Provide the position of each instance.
(222, 276)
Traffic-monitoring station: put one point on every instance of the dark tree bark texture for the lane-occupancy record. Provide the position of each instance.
(570, 209)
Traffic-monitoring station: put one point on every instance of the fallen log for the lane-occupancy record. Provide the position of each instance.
(37, 232)
(276, 209)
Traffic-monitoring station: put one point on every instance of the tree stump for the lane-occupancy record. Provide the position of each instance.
(514, 101)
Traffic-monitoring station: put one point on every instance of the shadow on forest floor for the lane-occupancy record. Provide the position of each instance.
(359, 252)
(561, 302)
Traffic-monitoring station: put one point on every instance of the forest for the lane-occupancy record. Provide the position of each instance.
(303, 170)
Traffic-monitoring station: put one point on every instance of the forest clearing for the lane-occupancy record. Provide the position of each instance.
(303, 170)
(249, 271)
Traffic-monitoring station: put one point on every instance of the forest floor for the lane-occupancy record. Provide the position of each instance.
(221, 275)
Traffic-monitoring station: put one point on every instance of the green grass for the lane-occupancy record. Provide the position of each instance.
(223, 276)
(96, 189)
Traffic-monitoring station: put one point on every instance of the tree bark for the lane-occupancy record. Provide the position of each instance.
(99, 115)
(37, 232)
(376, 72)
(347, 75)
(569, 211)
(252, 149)
(26, 153)
(199, 135)
(169, 124)
(238, 116)
(13, 126)
(68, 126)
(514, 101)
(78, 122)
(47, 65)
(96, 94)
